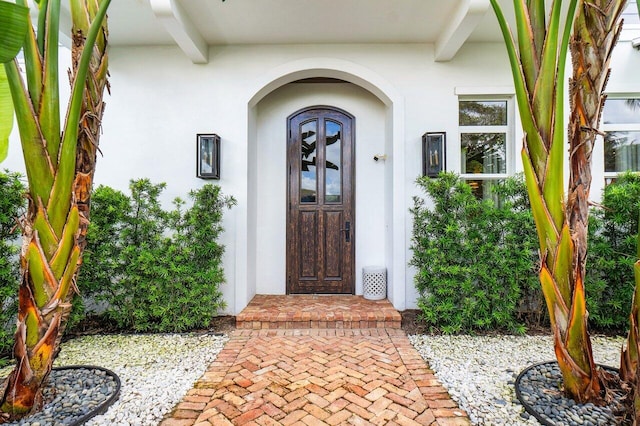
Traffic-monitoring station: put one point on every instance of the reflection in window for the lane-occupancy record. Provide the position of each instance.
(483, 113)
(621, 126)
(483, 189)
(486, 140)
(308, 172)
(621, 151)
(483, 152)
(333, 158)
(619, 111)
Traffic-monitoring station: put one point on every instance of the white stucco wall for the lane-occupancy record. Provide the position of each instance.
(160, 100)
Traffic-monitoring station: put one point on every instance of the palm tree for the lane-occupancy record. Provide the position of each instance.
(59, 162)
(595, 34)
(538, 60)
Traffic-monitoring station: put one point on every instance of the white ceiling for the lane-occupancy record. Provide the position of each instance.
(195, 24)
(289, 21)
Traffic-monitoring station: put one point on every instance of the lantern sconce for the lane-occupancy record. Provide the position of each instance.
(208, 156)
(433, 153)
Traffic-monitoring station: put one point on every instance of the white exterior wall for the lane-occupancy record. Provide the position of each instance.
(160, 100)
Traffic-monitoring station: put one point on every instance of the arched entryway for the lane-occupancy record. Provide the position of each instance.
(386, 179)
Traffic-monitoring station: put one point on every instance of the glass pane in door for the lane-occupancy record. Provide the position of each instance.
(308, 172)
(333, 162)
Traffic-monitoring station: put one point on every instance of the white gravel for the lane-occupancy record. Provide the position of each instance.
(155, 371)
(479, 371)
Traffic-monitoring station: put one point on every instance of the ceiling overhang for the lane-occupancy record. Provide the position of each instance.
(178, 24)
(195, 25)
(467, 17)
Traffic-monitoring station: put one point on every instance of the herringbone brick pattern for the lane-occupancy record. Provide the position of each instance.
(318, 377)
(313, 311)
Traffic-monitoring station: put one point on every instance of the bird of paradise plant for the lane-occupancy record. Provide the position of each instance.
(537, 56)
(59, 160)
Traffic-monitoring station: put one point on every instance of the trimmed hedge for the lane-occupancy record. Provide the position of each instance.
(613, 228)
(154, 270)
(12, 205)
(475, 260)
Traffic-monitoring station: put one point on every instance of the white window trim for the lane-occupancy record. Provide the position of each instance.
(622, 127)
(508, 129)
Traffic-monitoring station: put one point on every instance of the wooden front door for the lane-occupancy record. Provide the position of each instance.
(320, 216)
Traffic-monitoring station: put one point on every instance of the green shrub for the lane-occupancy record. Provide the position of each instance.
(12, 205)
(156, 270)
(109, 210)
(473, 257)
(613, 229)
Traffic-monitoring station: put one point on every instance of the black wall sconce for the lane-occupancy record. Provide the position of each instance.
(433, 153)
(208, 156)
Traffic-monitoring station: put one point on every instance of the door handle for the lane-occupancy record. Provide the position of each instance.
(347, 231)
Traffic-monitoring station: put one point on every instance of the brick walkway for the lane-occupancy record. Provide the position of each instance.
(329, 376)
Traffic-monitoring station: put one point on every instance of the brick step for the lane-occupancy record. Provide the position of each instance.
(321, 324)
(317, 312)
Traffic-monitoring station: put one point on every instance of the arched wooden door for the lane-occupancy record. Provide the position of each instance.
(320, 214)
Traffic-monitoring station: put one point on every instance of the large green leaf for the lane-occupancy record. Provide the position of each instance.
(58, 202)
(14, 25)
(6, 114)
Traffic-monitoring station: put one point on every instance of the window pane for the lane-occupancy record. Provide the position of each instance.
(333, 158)
(483, 113)
(308, 173)
(621, 111)
(484, 152)
(622, 151)
(483, 189)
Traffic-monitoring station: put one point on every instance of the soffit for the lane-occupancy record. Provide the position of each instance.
(194, 25)
(133, 22)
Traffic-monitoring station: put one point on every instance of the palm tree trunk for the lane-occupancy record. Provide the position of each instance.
(537, 55)
(53, 225)
(83, 12)
(595, 33)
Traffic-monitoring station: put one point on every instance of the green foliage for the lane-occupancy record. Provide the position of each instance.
(110, 209)
(156, 270)
(12, 205)
(613, 230)
(476, 260)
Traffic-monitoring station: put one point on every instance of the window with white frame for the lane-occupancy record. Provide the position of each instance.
(486, 135)
(621, 127)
